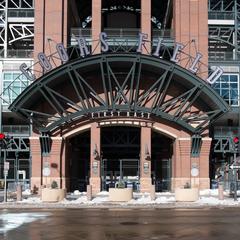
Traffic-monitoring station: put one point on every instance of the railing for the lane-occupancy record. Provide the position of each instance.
(223, 56)
(16, 130)
(20, 53)
(122, 32)
(226, 131)
(221, 15)
(18, 13)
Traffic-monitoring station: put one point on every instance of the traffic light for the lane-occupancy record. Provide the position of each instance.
(235, 143)
(2, 136)
(2, 139)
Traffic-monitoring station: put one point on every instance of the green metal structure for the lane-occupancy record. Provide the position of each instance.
(126, 82)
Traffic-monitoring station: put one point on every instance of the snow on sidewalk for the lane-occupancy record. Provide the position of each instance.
(208, 197)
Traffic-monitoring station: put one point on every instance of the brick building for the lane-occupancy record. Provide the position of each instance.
(140, 91)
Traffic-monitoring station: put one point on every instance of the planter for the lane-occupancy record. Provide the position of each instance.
(120, 194)
(52, 195)
(186, 194)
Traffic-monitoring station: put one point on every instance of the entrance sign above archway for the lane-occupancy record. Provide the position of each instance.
(120, 85)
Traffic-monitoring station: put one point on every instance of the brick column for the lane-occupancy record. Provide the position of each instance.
(50, 27)
(145, 160)
(146, 23)
(181, 171)
(95, 163)
(57, 161)
(191, 22)
(96, 24)
(36, 178)
(204, 181)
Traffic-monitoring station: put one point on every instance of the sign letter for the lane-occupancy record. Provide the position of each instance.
(26, 72)
(193, 68)
(141, 41)
(46, 65)
(103, 37)
(177, 49)
(156, 53)
(215, 75)
(83, 46)
(62, 52)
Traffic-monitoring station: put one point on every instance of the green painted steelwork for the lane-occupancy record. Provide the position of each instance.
(120, 78)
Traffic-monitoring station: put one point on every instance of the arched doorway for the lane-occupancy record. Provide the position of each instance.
(120, 149)
(161, 161)
(79, 161)
(117, 86)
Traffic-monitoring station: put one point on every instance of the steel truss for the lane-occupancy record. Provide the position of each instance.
(223, 144)
(18, 144)
(220, 5)
(13, 32)
(121, 91)
(222, 37)
(18, 155)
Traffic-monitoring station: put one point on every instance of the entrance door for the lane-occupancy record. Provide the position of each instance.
(124, 170)
(161, 167)
(120, 148)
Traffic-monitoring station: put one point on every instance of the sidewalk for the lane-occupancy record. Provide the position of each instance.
(208, 198)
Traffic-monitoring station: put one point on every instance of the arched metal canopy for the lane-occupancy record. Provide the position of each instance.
(130, 82)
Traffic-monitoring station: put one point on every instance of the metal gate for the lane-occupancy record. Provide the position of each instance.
(124, 170)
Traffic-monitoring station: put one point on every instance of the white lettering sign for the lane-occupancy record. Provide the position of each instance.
(141, 41)
(83, 46)
(143, 37)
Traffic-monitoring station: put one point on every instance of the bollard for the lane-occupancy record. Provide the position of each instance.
(89, 192)
(220, 191)
(19, 192)
(152, 192)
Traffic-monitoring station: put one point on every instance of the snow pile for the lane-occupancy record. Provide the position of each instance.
(144, 199)
(27, 192)
(80, 200)
(215, 201)
(165, 199)
(208, 192)
(103, 193)
(12, 221)
(76, 193)
(207, 197)
(101, 197)
(32, 200)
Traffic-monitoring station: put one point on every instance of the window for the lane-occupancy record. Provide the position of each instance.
(13, 85)
(228, 87)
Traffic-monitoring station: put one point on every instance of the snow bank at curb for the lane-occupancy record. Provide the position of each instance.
(208, 197)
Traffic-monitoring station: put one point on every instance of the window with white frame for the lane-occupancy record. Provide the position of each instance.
(13, 85)
(228, 87)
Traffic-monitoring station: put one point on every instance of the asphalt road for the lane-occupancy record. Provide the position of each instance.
(120, 224)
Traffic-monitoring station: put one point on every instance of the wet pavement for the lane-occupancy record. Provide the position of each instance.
(120, 224)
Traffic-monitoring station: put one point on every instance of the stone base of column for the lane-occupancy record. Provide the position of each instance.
(201, 183)
(145, 185)
(95, 182)
(66, 183)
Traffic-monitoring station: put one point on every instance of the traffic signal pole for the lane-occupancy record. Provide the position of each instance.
(235, 175)
(5, 183)
(235, 150)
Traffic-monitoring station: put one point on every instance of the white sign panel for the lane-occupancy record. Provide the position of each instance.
(194, 172)
(46, 171)
(6, 166)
